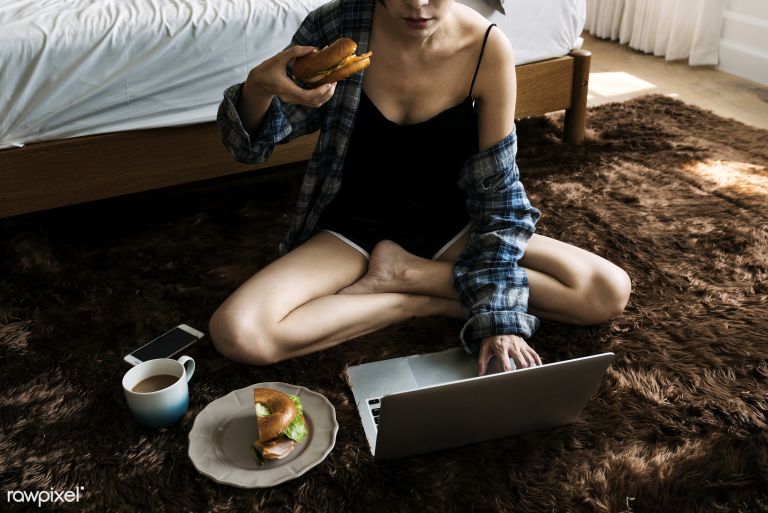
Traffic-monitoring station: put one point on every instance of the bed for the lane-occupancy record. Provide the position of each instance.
(106, 98)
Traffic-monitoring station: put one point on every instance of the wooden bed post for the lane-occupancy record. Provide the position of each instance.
(576, 115)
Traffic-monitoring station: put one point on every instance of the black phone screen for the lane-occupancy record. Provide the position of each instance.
(165, 345)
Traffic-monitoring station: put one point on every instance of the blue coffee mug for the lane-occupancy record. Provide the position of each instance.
(157, 392)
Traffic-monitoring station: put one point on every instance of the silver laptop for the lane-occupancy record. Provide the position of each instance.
(429, 402)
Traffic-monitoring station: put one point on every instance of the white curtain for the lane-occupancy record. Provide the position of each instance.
(673, 29)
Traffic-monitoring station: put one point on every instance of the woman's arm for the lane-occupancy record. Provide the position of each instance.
(496, 90)
(269, 108)
(492, 287)
(269, 80)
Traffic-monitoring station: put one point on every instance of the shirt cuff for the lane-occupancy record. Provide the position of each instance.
(489, 324)
(243, 144)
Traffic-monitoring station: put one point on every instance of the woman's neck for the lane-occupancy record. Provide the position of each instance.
(390, 30)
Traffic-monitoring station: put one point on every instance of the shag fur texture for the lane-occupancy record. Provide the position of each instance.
(675, 195)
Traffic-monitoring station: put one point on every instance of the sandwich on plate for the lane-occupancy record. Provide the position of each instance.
(280, 418)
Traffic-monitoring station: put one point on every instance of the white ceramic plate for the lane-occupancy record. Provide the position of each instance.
(222, 434)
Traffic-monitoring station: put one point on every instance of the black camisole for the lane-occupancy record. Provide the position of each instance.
(400, 182)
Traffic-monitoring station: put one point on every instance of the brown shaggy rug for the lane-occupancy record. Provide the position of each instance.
(675, 195)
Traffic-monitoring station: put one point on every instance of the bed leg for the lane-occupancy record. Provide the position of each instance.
(576, 116)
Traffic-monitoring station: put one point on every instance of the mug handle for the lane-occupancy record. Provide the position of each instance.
(189, 366)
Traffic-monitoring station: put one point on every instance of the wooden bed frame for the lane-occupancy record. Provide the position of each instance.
(53, 174)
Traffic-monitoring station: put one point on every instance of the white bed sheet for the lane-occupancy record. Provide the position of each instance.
(70, 68)
(538, 29)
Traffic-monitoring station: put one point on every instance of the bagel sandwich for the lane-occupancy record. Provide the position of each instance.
(335, 62)
(280, 419)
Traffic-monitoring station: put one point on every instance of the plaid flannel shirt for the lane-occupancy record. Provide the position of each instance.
(493, 289)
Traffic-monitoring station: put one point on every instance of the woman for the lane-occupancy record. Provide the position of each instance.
(430, 217)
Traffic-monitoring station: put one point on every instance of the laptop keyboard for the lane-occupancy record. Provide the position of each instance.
(374, 407)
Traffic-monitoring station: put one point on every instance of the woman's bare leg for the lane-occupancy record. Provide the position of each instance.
(572, 285)
(567, 284)
(290, 308)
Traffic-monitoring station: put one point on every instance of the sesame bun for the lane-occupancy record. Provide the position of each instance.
(282, 412)
(335, 62)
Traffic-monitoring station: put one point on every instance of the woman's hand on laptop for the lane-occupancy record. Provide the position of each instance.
(504, 348)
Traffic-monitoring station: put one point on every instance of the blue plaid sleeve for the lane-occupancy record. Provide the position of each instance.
(250, 148)
(492, 287)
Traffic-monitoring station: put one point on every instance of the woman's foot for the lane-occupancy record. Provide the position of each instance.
(390, 269)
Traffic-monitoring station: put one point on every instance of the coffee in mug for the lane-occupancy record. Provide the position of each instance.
(157, 392)
(155, 383)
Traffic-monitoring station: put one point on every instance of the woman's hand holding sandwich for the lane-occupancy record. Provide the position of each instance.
(270, 79)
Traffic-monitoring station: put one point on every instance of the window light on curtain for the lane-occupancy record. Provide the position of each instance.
(673, 29)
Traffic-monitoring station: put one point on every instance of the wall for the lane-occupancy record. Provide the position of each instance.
(744, 40)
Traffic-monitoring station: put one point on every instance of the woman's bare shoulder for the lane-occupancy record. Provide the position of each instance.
(470, 23)
(495, 88)
(468, 15)
(473, 27)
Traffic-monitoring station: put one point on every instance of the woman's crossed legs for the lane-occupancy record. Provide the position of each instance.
(325, 292)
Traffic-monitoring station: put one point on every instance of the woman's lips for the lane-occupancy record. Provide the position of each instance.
(417, 23)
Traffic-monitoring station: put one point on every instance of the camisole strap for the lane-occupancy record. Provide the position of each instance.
(479, 59)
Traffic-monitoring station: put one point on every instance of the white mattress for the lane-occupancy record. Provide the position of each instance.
(538, 29)
(70, 68)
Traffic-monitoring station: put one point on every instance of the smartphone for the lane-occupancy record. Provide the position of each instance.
(166, 345)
